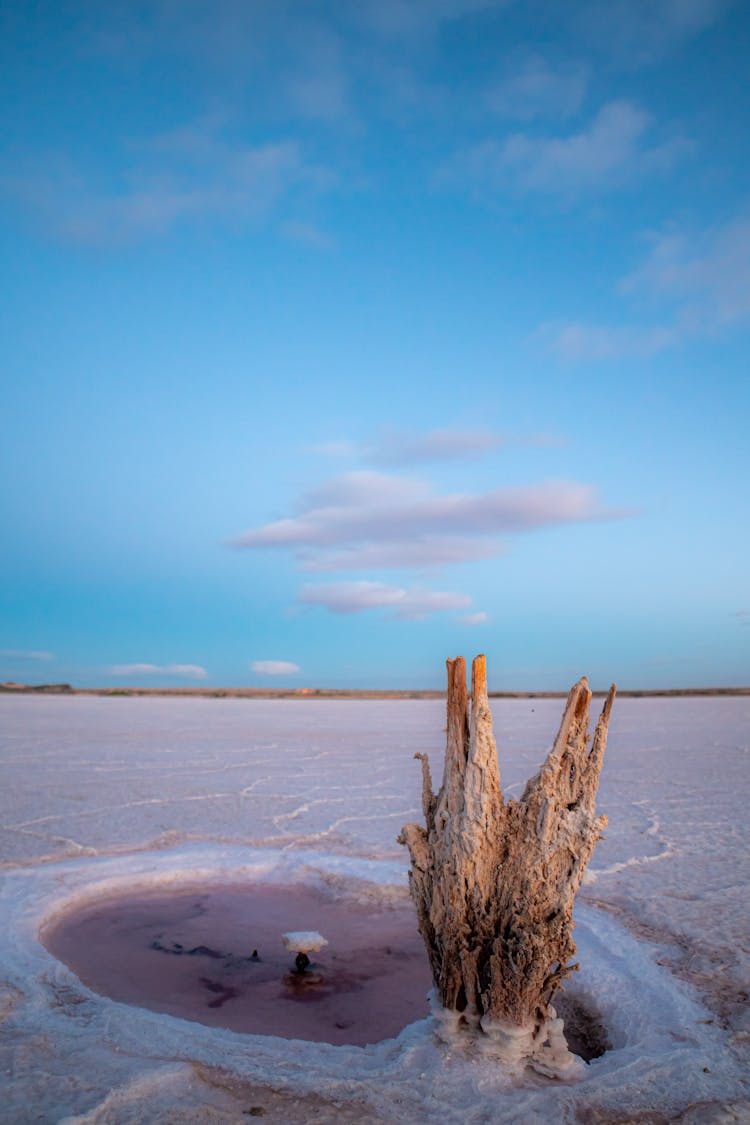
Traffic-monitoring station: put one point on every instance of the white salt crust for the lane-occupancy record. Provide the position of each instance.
(102, 795)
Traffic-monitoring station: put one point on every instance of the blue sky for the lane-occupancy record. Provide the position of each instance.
(341, 338)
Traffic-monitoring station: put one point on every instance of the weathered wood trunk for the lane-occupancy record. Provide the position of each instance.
(493, 880)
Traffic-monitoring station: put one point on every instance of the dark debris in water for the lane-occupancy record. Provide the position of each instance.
(222, 992)
(176, 949)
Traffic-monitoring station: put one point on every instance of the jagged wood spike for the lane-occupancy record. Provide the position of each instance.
(494, 881)
(428, 797)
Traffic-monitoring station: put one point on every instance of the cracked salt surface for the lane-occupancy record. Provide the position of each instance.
(104, 794)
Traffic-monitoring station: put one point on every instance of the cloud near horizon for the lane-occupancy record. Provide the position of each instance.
(354, 597)
(275, 667)
(184, 671)
(23, 654)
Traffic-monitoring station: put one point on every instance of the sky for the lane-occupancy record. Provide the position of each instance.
(338, 339)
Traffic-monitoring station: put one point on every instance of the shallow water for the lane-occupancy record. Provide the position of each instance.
(215, 955)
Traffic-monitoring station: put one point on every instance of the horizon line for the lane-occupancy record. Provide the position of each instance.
(13, 688)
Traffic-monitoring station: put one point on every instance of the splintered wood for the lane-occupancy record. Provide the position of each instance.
(494, 880)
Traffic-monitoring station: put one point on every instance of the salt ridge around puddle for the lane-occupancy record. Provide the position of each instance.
(657, 1027)
(214, 955)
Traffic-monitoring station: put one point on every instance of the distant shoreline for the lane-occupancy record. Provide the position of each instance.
(346, 693)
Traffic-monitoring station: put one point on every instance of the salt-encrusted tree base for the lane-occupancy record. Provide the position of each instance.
(540, 1044)
(494, 881)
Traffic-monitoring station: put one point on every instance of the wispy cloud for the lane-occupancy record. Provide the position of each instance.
(475, 618)
(307, 234)
(579, 341)
(397, 449)
(275, 667)
(437, 445)
(316, 80)
(544, 441)
(182, 671)
(743, 616)
(419, 554)
(354, 597)
(639, 31)
(407, 18)
(612, 151)
(196, 174)
(536, 89)
(21, 655)
(371, 506)
(339, 448)
(370, 520)
(699, 282)
(707, 273)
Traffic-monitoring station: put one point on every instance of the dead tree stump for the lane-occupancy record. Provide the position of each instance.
(494, 880)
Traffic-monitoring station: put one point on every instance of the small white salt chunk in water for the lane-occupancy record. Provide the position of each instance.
(303, 941)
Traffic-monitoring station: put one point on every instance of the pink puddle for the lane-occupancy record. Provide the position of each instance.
(191, 953)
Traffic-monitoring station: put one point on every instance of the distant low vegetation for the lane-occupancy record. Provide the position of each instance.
(45, 689)
(344, 693)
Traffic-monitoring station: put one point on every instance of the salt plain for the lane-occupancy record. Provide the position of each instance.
(104, 793)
